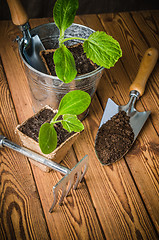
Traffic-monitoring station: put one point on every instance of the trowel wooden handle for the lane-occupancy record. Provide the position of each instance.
(18, 14)
(147, 64)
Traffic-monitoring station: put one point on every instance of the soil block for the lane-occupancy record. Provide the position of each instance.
(83, 64)
(29, 130)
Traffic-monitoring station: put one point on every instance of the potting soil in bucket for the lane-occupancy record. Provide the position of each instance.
(47, 89)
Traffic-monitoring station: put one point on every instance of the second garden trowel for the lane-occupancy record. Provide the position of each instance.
(32, 45)
(137, 119)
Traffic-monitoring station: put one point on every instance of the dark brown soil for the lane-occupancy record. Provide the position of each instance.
(83, 64)
(114, 138)
(32, 126)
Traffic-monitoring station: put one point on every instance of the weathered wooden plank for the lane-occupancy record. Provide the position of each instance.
(77, 218)
(136, 32)
(114, 84)
(20, 207)
(120, 217)
(148, 24)
(15, 72)
(115, 197)
(120, 79)
(112, 229)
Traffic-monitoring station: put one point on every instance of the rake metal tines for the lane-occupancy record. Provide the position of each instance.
(66, 183)
(69, 181)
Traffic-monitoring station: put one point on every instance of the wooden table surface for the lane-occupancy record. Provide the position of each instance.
(113, 202)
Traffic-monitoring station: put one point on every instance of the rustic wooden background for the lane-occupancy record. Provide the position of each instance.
(114, 202)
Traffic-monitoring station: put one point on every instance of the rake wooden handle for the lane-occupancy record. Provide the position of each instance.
(147, 64)
(18, 14)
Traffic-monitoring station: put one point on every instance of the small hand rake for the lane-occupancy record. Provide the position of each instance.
(66, 183)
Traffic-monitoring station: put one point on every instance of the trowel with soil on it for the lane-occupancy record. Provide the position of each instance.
(120, 125)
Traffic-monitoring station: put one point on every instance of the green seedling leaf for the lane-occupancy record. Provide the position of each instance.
(64, 64)
(47, 138)
(71, 123)
(74, 102)
(102, 49)
(64, 13)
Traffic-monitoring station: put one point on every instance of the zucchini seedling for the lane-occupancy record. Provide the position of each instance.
(71, 105)
(101, 48)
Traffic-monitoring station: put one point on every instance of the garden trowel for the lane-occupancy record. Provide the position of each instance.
(137, 119)
(32, 44)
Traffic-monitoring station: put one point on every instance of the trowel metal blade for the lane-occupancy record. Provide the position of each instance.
(137, 119)
(110, 110)
(31, 54)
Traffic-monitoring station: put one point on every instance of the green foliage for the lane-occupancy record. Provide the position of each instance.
(47, 138)
(71, 105)
(64, 13)
(64, 64)
(101, 48)
(71, 123)
(75, 102)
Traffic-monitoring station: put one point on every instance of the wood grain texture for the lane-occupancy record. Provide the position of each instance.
(137, 33)
(112, 189)
(115, 202)
(77, 218)
(115, 84)
(144, 171)
(116, 77)
(15, 71)
(20, 207)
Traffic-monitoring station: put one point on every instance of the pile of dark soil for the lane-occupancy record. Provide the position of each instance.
(114, 138)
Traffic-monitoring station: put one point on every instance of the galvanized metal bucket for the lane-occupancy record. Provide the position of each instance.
(47, 89)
